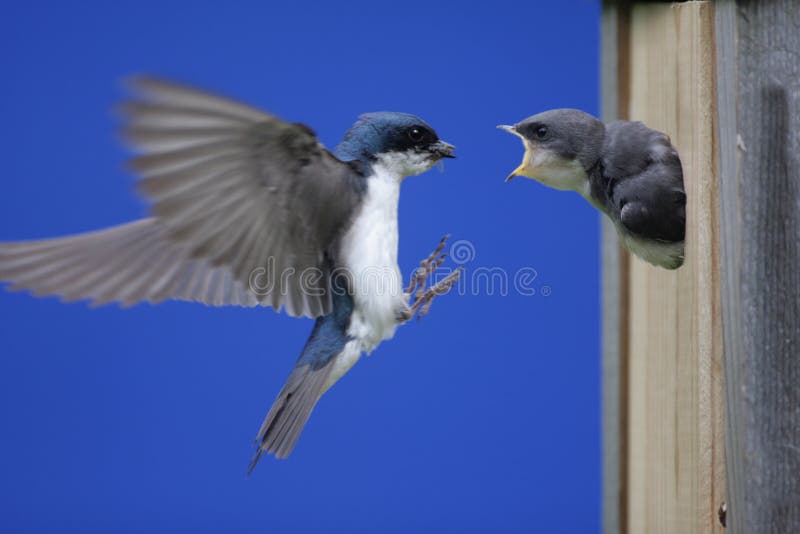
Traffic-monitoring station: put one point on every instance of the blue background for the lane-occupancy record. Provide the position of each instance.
(483, 417)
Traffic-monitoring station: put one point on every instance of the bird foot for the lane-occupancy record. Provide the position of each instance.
(417, 287)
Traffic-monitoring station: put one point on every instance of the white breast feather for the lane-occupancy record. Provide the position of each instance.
(668, 255)
(556, 172)
(369, 252)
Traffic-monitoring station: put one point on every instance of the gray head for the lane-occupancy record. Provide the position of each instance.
(561, 146)
(402, 142)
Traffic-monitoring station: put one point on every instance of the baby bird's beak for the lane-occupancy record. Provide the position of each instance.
(507, 128)
(519, 171)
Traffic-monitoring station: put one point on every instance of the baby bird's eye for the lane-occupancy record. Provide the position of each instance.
(415, 134)
(541, 132)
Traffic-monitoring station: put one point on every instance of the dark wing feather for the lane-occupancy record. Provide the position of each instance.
(243, 189)
(246, 207)
(644, 181)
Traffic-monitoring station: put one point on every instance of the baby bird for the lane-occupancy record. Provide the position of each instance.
(624, 169)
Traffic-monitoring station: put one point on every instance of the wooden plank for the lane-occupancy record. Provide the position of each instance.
(614, 260)
(676, 462)
(729, 209)
(758, 67)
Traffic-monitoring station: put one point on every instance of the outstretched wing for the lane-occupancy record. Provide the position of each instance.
(234, 190)
(131, 263)
(645, 181)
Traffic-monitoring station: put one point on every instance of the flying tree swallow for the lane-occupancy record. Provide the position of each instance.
(249, 210)
(624, 169)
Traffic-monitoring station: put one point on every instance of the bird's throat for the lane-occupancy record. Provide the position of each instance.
(552, 170)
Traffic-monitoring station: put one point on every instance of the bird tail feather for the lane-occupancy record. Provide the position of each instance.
(327, 355)
(291, 410)
(315, 371)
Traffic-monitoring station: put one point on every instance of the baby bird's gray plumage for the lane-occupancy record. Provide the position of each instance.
(628, 171)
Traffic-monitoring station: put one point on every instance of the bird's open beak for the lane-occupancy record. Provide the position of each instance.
(513, 131)
(442, 149)
(510, 129)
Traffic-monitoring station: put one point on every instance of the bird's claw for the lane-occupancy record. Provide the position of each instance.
(417, 287)
(422, 304)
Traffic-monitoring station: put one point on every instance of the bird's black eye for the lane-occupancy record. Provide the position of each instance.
(415, 134)
(541, 132)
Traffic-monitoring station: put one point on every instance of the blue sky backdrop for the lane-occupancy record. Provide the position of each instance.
(483, 417)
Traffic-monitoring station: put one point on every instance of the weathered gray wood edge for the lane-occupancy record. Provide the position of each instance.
(610, 280)
(758, 84)
(725, 34)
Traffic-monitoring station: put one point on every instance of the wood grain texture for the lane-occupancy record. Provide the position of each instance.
(614, 69)
(676, 474)
(758, 67)
(730, 236)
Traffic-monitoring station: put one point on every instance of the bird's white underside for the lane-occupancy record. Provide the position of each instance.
(343, 362)
(553, 171)
(369, 253)
(667, 255)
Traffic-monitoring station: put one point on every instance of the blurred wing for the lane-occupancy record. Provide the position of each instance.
(130, 263)
(242, 189)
